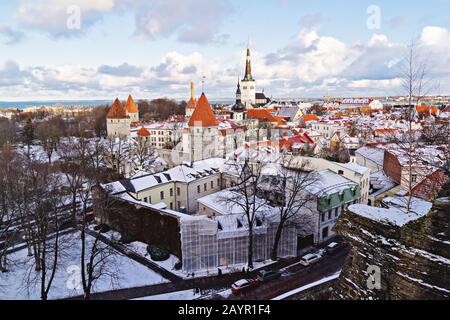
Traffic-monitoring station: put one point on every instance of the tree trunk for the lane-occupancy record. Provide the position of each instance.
(274, 254)
(250, 249)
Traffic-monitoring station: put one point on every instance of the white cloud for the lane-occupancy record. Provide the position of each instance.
(9, 35)
(435, 37)
(51, 15)
(195, 21)
(312, 65)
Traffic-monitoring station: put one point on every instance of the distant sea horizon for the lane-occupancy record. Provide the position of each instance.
(82, 103)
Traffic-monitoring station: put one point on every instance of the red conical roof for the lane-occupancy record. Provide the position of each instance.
(203, 114)
(117, 111)
(143, 132)
(131, 106)
(191, 104)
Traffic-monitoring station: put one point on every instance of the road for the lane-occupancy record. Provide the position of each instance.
(297, 276)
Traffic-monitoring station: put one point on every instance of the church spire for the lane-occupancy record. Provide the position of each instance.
(248, 65)
(238, 93)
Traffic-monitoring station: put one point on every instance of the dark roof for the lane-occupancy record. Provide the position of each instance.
(239, 107)
(260, 96)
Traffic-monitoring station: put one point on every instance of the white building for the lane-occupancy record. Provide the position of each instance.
(248, 84)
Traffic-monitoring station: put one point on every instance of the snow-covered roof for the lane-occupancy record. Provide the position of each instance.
(373, 154)
(381, 183)
(290, 112)
(218, 202)
(395, 213)
(181, 173)
(354, 167)
(328, 183)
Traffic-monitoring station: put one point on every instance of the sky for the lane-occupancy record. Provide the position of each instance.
(101, 49)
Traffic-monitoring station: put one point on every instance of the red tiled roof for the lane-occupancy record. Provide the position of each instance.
(131, 106)
(427, 109)
(191, 104)
(143, 132)
(310, 117)
(117, 111)
(264, 115)
(203, 114)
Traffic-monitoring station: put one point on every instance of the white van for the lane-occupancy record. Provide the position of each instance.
(310, 259)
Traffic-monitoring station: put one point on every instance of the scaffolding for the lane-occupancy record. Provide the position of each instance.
(206, 248)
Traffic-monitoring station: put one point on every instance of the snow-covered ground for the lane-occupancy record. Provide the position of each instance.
(187, 295)
(308, 286)
(169, 264)
(66, 284)
(178, 295)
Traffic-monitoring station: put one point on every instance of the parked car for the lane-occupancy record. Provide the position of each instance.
(334, 246)
(243, 286)
(309, 259)
(267, 275)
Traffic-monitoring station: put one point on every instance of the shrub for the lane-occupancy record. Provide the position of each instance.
(104, 228)
(178, 265)
(126, 239)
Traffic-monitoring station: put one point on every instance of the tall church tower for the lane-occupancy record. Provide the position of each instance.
(248, 84)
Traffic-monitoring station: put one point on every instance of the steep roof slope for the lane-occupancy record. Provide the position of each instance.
(203, 114)
(117, 111)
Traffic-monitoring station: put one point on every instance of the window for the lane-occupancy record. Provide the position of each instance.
(341, 172)
(414, 178)
(149, 199)
(323, 217)
(329, 215)
(178, 191)
(178, 205)
(171, 192)
(336, 212)
(324, 233)
(205, 186)
(212, 184)
(161, 195)
(198, 189)
(145, 199)
(171, 206)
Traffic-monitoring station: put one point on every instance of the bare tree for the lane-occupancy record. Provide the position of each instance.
(244, 194)
(143, 154)
(49, 134)
(116, 153)
(44, 228)
(415, 82)
(97, 259)
(73, 157)
(288, 193)
(8, 180)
